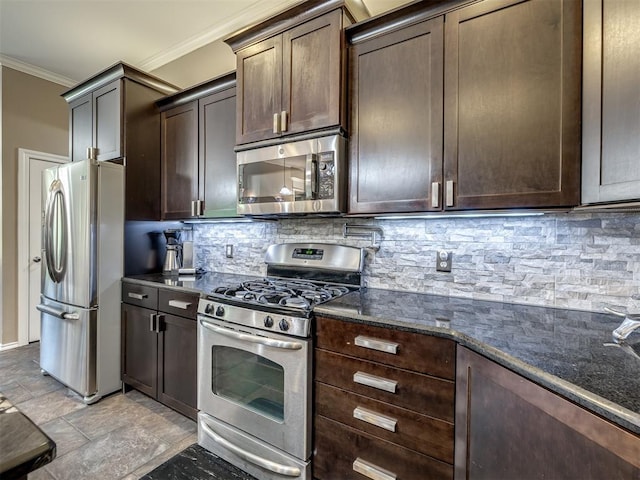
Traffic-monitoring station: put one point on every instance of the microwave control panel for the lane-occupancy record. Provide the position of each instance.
(326, 175)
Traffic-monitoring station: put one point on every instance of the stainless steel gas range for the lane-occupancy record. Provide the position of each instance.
(255, 354)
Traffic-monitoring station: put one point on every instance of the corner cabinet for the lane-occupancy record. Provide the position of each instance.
(384, 403)
(510, 427)
(159, 345)
(487, 115)
(611, 117)
(291, 72)
(198, 158)
(112, 117)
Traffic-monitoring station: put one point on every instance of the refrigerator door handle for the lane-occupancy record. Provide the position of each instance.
(57, 313)
(55, 232)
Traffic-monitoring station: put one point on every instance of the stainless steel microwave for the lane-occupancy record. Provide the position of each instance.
(306, 176)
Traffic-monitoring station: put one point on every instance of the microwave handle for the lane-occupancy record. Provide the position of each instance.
(311, 177)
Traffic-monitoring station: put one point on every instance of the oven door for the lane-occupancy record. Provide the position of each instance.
(258, 382)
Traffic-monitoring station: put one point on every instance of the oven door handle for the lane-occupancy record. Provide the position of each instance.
(270, 342)
(251, 457)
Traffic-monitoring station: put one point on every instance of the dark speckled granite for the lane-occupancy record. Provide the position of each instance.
(201, 283)
(196, 463)
(562, 350)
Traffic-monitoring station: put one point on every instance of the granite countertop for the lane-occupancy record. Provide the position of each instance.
(563, 350)
(23, 446)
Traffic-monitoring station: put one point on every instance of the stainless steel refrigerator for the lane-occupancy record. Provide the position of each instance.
(82, 252)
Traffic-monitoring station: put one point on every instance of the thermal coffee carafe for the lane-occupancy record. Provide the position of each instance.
(173, 257)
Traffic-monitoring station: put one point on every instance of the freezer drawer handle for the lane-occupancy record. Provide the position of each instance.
(179, 304)
(57, 313)
(137, 296)
(377, 344)
(376, 382)
(375, 418)
(270, 342)
(372, 471)
(251, 457)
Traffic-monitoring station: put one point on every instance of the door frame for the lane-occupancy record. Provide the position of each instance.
(24, 158)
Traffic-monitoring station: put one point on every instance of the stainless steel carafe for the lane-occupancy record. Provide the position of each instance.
(173, 256)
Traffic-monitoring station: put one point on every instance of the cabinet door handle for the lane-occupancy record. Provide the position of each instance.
(284, 121)
(276, 123)
(435, 194)
(372, 471)
(374, 418)
(449, 193)
(159, 326)
(377, 344)
(179, 304)
(137, 296)
(193, 208)
(375, 382)
(152, 322)
(200, 207)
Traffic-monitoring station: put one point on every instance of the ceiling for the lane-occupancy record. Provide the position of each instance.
(67, 41)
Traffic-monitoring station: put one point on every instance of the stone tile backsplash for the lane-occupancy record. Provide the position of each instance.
(582, 261)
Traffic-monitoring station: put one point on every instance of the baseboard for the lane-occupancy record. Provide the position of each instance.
(8, 346)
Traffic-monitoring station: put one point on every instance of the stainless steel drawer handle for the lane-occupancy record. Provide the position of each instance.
(372, 471)
(137, 296)
(179, 304)
(246, 337)
(374, 418)
(375, 382)
(377, 344)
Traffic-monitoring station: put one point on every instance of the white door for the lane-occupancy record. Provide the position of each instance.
(30, 215)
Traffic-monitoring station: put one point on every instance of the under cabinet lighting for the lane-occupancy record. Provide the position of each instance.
(437, 216)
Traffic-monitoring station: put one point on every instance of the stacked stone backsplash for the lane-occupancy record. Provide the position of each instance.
(578, 261)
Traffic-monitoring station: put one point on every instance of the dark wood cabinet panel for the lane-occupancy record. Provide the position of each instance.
(139, 349)
(179, 161)
(259, 77)
(338, 446)
(428, 395)
(396, 120)
(509, 427)
(177, 376)
(421, 433)
(420, 353)
(80, 127)
(217, 173)
(107, 130)
(512, 104)
(611, 166)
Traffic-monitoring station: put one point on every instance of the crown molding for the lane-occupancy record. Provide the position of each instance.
(217, 32)
(6, 61)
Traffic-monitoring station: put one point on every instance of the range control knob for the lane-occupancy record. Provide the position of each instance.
(220, 311)
(208, 308)
(284, 325)
(268, 321)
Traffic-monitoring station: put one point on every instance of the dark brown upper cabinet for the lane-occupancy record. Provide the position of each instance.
(198, 159)
(611, 118)
(291, 73)
(474, 105)
(113, 113)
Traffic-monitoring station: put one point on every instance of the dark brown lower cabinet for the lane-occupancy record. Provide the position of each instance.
(159, 348)
(508, 427)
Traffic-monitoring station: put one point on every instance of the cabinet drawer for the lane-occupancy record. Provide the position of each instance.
(420, 393)
(178, 303)
(404, 427)
(140, 295)
(338, 446)
(413, 351)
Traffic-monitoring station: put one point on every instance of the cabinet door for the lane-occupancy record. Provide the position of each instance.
(396, 121)
(139, 349)
(259, 80)
(512, 104)
(107, 117)
(179, 165)
(311, 81)
(611, 144)
(218, 177)
(80, 126)
(509, 427)
(177, 375)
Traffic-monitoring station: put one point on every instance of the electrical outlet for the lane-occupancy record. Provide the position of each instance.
(443, 261)
(229, 250)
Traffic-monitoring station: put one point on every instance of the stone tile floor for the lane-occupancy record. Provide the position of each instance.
(123, 436)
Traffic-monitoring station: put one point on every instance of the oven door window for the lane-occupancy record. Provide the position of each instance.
(249, 380)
